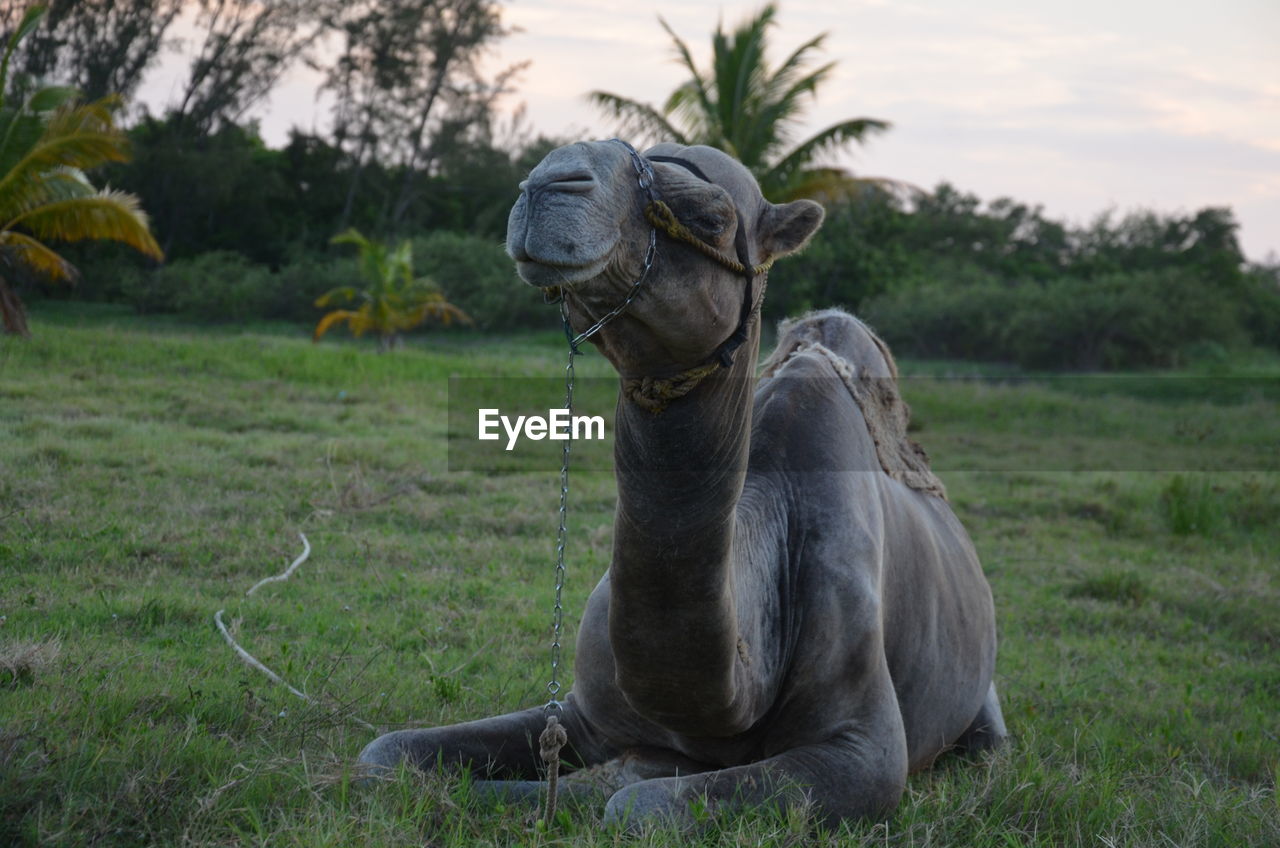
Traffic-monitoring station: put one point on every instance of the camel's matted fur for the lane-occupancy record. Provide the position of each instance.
(886, 414)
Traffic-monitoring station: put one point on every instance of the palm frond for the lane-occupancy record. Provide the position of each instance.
(742, 106)
(785, 75)
(393, 299)
(693, 99)
(336, 317)
(30, 252)
(780, 176)
(77, 137)
(741, 71)
(344, 293)
(637, 121)
(438, 310)
(351, 236)
(30, 19)
(48, 187)
(832, 185)
(110, 215)
(51, 97)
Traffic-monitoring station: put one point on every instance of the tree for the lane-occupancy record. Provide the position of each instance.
(99, 47)
(394, 299)
(222, 190)
(247, 46)
(746, 108)
(47, 141)
(408, 86)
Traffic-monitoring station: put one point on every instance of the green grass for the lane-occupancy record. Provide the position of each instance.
(150, 472)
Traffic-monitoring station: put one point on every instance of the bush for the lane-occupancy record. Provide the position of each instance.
(1143, 319)
(220, 286)
(1118, 320)
(966, 322)
(1260, 299)
(477, 276)
(225, 286)
(298, 284)
(856, 254)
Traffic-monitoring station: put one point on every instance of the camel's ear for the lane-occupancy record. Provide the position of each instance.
(787, 227)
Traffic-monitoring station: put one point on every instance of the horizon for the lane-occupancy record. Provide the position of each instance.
(1081, 111)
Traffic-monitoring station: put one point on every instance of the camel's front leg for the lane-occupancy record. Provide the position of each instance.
(504, 747)
(851, 775)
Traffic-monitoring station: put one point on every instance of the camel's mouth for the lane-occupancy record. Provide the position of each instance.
(543, 273)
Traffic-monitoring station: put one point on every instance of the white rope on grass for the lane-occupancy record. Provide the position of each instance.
(288, 572)
(253, 661)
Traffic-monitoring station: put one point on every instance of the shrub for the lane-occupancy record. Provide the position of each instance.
(226, 286)
(1117, 320)
(856, 254)
(476, 275)
(1260, 302)
(1121, 320)
(219, 286)
(935, 320)
(298, 284)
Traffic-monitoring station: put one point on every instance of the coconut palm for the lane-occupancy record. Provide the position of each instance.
(48, 139)
(750, 111)
(394, 299)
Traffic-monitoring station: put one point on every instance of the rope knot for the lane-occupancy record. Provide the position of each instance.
(553, 738)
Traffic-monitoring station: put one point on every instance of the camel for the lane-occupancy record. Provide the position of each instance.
(793, 613)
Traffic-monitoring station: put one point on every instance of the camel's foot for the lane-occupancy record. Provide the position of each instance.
(635, 765)
(845, 777)
(533, 792)
(593, 785)
(503, 747)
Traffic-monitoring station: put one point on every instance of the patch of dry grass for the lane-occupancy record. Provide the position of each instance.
(22, 659)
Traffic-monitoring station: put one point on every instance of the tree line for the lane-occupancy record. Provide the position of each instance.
(418, 148)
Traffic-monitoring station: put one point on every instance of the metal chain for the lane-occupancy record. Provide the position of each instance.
(644, 177)
(557, 613)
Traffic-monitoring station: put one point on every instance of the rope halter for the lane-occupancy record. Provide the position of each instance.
(655, 393)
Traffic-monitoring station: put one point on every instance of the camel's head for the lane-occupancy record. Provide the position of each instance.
(580, 224)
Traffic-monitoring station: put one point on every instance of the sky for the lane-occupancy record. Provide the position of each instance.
(1082, 107)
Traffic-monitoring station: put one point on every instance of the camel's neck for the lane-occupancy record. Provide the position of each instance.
(672, 619)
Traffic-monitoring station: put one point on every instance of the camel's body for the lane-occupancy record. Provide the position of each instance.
(781, 616)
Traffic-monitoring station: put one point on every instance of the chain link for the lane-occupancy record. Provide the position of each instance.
(645, 178)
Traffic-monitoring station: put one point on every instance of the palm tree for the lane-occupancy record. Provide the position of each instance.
(48, 139)
(395, 300)
(749, 110)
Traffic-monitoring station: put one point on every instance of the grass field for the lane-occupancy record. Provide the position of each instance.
(151, 472)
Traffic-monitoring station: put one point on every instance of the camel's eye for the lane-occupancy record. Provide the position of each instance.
(709, 225)
(712, 225)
